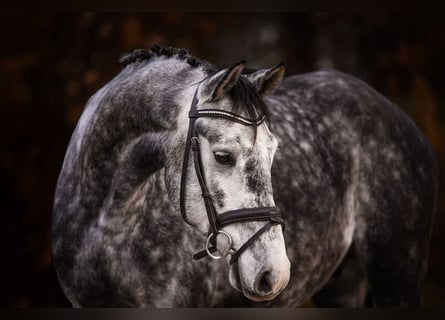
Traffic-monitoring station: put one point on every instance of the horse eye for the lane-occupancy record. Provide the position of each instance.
(224, 158)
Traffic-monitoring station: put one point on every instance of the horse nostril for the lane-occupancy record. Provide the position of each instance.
(264, 285)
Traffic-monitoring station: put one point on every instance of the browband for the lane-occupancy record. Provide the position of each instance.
(215, 113)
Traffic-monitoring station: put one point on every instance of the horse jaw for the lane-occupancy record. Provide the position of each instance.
(264, 278)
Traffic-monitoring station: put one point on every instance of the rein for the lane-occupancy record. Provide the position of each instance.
(216, 222)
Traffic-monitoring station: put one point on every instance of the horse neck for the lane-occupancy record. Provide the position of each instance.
(133, 122)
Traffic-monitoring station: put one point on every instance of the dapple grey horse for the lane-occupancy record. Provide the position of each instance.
(354, 179)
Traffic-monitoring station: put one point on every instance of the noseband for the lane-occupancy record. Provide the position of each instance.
(217, 222)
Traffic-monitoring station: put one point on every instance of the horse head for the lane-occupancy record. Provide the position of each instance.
(225, 186)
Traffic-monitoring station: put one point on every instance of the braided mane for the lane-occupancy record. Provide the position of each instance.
(155, 50)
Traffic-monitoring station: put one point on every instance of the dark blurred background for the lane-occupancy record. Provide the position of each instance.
(50, 64)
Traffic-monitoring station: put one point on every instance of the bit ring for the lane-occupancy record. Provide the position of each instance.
(217, 257)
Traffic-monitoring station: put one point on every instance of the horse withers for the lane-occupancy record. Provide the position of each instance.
(241, 156)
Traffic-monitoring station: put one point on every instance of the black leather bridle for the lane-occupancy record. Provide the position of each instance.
(270, 214)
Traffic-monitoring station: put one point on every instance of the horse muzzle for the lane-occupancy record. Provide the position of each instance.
(262, 272)
(263, 285)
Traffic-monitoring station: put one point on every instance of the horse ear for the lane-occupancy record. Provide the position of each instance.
(267, 80)
(220, 83)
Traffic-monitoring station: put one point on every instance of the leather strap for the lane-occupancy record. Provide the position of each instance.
(250, 214)
(186, 159)
(238, 252)
(210, 209)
